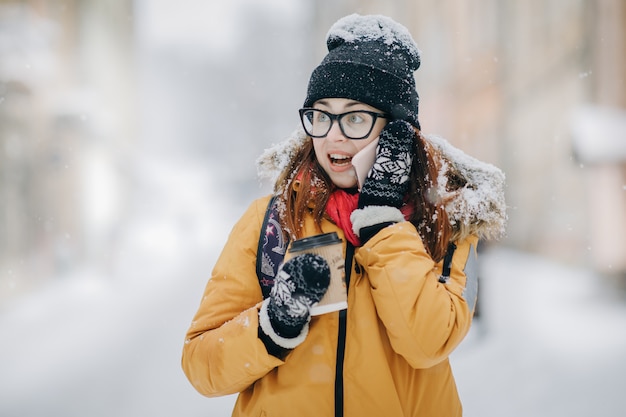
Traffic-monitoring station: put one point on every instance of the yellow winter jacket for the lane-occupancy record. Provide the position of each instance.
(401, 325)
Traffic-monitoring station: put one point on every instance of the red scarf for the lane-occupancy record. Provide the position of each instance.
(339, 207)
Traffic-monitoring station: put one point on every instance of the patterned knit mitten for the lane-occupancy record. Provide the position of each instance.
(387, 182)
(301, 282)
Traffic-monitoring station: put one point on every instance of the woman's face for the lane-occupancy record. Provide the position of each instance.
(334, 152)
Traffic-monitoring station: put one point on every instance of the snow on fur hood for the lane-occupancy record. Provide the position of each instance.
(477, 208)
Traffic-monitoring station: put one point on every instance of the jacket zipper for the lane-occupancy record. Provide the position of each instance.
(341, 338)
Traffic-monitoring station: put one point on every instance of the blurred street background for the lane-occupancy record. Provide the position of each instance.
(129, 132)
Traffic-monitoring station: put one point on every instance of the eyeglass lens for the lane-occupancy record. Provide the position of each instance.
(354, 125)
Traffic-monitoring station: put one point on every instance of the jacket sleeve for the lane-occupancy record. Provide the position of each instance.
(424, 319)
(222, 353)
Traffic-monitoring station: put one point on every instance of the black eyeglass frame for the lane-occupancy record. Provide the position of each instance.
(337, 118)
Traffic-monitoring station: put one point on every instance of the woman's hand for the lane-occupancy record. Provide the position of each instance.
(301, 282)
(387, 182)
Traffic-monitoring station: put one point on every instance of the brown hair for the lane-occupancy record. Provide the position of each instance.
(429, 214)
(304, 187)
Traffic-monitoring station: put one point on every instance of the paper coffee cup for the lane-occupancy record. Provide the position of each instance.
(329, 247)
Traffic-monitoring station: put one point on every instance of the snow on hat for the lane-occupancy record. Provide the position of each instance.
(370, 59)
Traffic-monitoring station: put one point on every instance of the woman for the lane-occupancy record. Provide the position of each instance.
(409, 236)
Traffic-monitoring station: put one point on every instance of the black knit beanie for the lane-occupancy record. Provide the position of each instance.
(370, 59)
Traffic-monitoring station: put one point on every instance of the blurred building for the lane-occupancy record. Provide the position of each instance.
(66, 126)
(504, 80)
(530, 86)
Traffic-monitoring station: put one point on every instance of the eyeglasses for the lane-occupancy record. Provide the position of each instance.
(356, 124)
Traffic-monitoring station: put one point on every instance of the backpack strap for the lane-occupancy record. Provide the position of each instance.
(447, 263)
(271, 248)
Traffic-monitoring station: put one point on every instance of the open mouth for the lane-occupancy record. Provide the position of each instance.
(340, 160)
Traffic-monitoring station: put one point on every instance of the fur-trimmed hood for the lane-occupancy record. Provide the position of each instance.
(477, 208)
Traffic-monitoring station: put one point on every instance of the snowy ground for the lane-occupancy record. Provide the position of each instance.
(550, 340)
